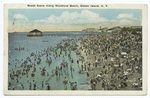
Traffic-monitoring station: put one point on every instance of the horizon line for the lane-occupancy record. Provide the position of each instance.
(44, 31)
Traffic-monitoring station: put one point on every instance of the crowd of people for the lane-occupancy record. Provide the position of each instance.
(28, 68)
(113, 61)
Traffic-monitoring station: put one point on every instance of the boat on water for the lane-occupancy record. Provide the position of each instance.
(45, 41)
(19, 48)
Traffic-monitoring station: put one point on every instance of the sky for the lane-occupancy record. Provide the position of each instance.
(25, 20)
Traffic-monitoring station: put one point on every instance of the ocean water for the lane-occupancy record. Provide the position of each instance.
(37, 45)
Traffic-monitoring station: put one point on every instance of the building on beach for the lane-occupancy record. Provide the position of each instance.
(103, 29)
(136, 27)
(138, 32)
(35, 33)
(114, 29)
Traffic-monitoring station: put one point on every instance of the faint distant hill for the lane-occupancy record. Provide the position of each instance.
(90, 30)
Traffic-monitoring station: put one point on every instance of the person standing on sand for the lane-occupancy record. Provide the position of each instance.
(88, 68)
(89, 64)
(96, 63)
(94, 86)
(75, 85)
(103, 85)
(91, 82)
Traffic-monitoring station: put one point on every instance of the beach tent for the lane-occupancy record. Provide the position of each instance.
(123, 54)
(116, 66)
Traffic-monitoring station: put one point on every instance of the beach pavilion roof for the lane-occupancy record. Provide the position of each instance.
(35, 30)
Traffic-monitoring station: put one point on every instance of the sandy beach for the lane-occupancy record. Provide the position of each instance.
(106, 64)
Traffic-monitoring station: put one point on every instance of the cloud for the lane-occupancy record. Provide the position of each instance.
(89, 18)
(125, 22)
(125, 16)
(130, 22)
(73, 21)
(21, 17)
(85, 16)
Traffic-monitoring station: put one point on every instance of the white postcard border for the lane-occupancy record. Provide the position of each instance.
(61, 92)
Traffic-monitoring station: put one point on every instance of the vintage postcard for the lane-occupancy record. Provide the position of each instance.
(75, 49)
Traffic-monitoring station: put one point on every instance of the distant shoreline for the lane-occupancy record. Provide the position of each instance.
(47, 31)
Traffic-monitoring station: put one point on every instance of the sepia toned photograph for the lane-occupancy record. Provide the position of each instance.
(75, 48)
